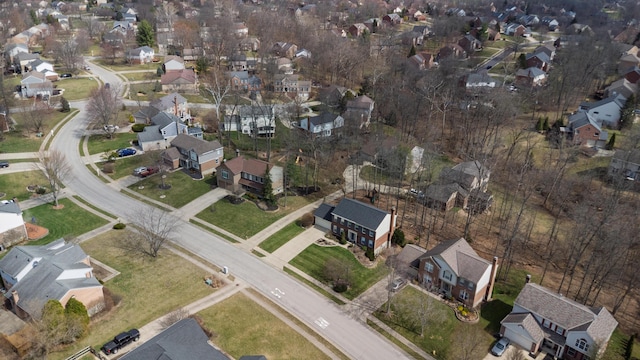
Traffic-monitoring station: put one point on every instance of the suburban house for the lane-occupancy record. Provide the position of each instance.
(254, 120)
(357, 29)
(606, 112)
(43, 67)
(250, 44)
(470, 44)
(627, 61)
(632, 74)
(159, 135)
(362, 224)
(184, 340)
(239, 62)
(240, 174)
(479, 80)
(173, 103)
(332, 95)
(422, 61)
(584, 130)
(444, 197)
(12, 229)
(172, 63)
(392, 19)
(198, 157)
(13, 50)
(464, 186)
(625, 163)
(184, 80)
(539, 60)
(454, 269)
(531, 77)
(359, 110)
(621, 87)
(59, 271)
(454, 51)
(322, 125)
(241, 80)
(285, 49)
(291, 84)
(22, 59)
(471, 175)
(141, 55)
(240, 29)
(34, 83)
(543, 320)
(515, 29)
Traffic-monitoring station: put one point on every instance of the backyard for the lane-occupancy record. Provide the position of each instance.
(68, 222)
(139, 286)
(227, 215)
(243, 327)
(313, 259)
(183, 188)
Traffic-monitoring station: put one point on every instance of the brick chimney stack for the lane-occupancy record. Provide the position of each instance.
(15, 297)
(528, 279)
(392, 225)
(492, 279)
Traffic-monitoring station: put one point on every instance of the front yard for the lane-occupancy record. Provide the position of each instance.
(183, 189)
(246, 219)
(77, 88)
(146, 288)
(243, 327)
(23, 138)
(99, 144)
(275, 241)
(313, 259)
(15, 184)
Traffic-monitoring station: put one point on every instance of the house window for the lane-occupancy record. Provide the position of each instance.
(428, 267)
(470, 285)
(464, 295)
(349, 225)
(371, 243)
(357, 227)
(559, 330)
(371, 233)
(571, 351)
(546, 323)
(447, 275)
(364, 231)
(582, 344)
(461, 281)
(225, 174)
(363, 241)
(342, 221)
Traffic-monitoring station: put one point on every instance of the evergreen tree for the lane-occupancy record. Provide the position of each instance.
(612, 142)
(540, 125)
(545, 125)
(627, 113)
(522, 61)
(145, 34)
(160, 71)
(77, 319)
(412, 52)
(267, 189)
(64, 103)
(202, 65)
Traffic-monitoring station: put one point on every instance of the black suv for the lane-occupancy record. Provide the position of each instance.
(4, 164)
(121, 340)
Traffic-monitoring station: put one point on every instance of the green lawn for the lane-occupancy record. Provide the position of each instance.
(617, 346)
(246, 143)
(143, 92)
(194, 98)
(100, 143)
(142, 75)
(275, 241)
(183, 188)
(124, 166)
(312, 261)
(148, 288)
(120, 65)
(68, 222)
(233, 218)
(77, 88)
(245, 328)
(15, 184)
(21, 140)
(11, 81)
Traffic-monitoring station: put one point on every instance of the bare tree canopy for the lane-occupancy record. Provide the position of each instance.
(56, 168)
(104, 104)
(154, 228)
(216, 88)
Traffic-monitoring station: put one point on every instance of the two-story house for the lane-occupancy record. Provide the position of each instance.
(291, 85)
(454, 269)
(539, 60)
(164, 129)
(242, 81)
(12, 228)
(254, 120)
(359, 111)
(531, 77)
(464, 186)
(322, 125)
(140, 55)
(59, 271)
(362, 224)
(625, 164)
(543, 320)
(173, 103)
(240, 174)
(198, 157)
(605, 112)
(35, 83)
(285, 49)
(584, 130)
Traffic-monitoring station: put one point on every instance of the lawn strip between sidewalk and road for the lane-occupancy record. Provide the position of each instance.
(211, 230)
(95, 208)
(393, 339)
(315, 287)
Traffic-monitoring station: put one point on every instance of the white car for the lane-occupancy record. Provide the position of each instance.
(397, 284)
(111, 128)
(139, 170)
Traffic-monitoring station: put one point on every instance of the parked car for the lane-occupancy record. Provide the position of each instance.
(139, 170)
(397, 284)
(121, 340)
(4, 164)
(149, 171)
(67, 75)
(126, 152)
(86, 67)
(111, 128)
(500, 347)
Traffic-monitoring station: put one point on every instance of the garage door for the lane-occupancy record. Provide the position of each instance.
(322, 223)
(517, 338)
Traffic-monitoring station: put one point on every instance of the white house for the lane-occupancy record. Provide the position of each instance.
(14, 49)
(322, 125)
(173, 63)
(12, 228)
(44, 67)
(479, 80)
(251, 120)
(606, 111)
(141, 55)
(34, 83)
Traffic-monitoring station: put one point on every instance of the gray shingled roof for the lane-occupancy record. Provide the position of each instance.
(588, 105)
(10, 207)
(191, 143)
(582, 118)
(324, 211)
(150, 133)
(410, 255)
(565, 312)
(163, 119)
(183, 340)
(360, 213)
(443, 193)
(465, 173)
(250, 110)
(325, 117)
(166, 101)
(528, 323)
(461, 258)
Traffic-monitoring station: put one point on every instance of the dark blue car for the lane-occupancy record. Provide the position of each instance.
(126, 152)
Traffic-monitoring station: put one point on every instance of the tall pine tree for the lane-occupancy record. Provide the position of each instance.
(145, 34)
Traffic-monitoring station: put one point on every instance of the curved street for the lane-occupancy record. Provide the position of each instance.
(352, 337)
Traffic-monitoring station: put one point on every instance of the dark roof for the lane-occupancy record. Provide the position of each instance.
(184, 76)
(410, 255)
(325, 117)
(150, 133)
(199, 146)
(360, 213)
(324, 211)
(632, 156)
(183, 340)
(444, 192)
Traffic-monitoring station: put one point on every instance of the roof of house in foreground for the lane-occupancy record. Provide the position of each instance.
(363, 214)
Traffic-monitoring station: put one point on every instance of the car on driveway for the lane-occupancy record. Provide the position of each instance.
(65, 76)
(149, 171)
(397, 284)
(4, 164)
(126, 152)
(500, 347)
(121, 340)
(139, 170)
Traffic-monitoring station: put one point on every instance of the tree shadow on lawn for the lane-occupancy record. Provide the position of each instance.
(492, 313)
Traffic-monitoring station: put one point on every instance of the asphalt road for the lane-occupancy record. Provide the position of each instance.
(355, 339)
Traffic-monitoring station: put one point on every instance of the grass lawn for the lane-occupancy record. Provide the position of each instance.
(183, 188)
(100, 143)
(312, 285)
(245, 142)
(68, 222)
(11, 81)
(617, 347)
(143, 91)
(15, 184)
(142, 75)
(244, 328)
(275, 241)
(77, 88)
(17, 142)
(193, 98)
(149, 288)
(120, 65)
(312, 261)
(233, 218)
(124, 166)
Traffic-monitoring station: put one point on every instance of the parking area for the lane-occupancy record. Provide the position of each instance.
(512, 348)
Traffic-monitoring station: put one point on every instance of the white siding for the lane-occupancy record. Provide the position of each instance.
(10, 221)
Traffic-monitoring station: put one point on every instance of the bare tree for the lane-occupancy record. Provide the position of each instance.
(173, 317)
(104, 104)
(216, 88)
(94, 27)
(154, 228)
(469, 342)
(68, 51)
(56, 168)
(36, 116)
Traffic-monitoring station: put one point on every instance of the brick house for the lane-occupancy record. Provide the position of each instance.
(197, 156)
(454, 269)
(584, 130)
(240, 174)
(184, 80)
(362, 224)
(545, 321)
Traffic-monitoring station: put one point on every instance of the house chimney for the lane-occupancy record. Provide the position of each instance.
(492, 279)
(237, 152)
(15, 297)
(528, 279)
